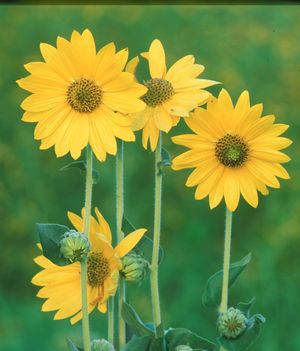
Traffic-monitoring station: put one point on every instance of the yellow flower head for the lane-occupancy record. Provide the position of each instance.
(79, 96)
(234, 151)
(61, 284)
(171, 94)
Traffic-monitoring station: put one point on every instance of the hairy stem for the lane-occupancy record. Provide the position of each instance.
(120, 236)
(86, 230)
(227, 244)
(156, 236)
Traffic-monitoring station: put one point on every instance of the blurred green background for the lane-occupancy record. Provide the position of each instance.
(245, 47)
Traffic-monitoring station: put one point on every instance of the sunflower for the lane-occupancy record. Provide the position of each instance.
(171, 94)
(61, 284)
(234, 151)
(80, 96)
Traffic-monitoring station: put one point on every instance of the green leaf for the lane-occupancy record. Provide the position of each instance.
(145, 246)
(82, 166)
(127, 226)
(165, 161)
(50, 237)
(181, 336)
(158, 344)
(160, 330)
(247, 338)
(212, 293)
(245, 307)
(134, 321)
(138, 343)
(72, 346)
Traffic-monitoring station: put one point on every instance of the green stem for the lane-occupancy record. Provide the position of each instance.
(110, 316)
(86, 230)
(227, 243)
(226, 265)
(156, 237)
(120, 236)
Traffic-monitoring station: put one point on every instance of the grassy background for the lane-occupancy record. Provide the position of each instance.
(245, 47)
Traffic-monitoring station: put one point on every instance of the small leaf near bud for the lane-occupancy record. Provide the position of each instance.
(134, 267)
(74, 246)
(101, 345)
(232, 323)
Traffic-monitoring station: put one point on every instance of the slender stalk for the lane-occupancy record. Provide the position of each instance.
(110, 316)
(227, 243)
(156, 237)
(226, 264)
(120, 236)
(86, 230)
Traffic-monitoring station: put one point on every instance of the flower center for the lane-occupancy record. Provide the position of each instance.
(97, 269)
(231, 150)
(84, 95)
(159, 91)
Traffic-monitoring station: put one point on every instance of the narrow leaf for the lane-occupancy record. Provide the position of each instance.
(246, 306)
(50, 236)
(72, 346)
(138, 343)
(134, 321)
(181, 336)
(82, 166)
(212, 293)
(158, 344)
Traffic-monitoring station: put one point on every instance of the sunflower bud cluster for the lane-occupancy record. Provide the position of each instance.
(134, 267)
(232, 323)
(74, 246)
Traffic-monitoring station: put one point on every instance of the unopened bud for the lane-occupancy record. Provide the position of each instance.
(183, 348)
(74, 246)
(232, 323)
(134, 267)
(101, 345)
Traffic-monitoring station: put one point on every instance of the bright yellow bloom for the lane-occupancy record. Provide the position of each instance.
(80, 96)
(171, 94)
(61, 284)
(234, 151)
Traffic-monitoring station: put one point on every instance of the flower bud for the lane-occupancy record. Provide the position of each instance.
(74, 246)
(183, 348)
(134, 267)
(232, 323)
(101, 345)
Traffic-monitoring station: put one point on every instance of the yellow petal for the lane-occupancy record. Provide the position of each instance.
(157, 60)
(76, 220)
(132, 65)
(129, 242)
(105, 228)
(140, 119)
(179, 65)
(231, 189)
(248, 187)
(162, 119)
